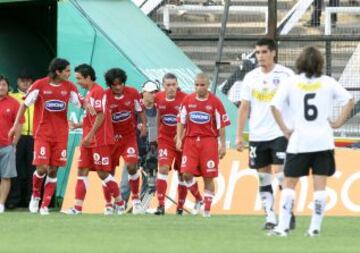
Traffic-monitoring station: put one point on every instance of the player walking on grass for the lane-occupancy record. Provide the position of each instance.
(267, 143)
(125, 103)
(310, 97)
(50, 96)
(168, 103)
(202, 119)
(96, 145)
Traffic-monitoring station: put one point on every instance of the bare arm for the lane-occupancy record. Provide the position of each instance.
(143, 130)
(17, 124)
(98, 122)
(345, 112)
(280, 121)
(17, 134)
(222, 147)
(243, 114)
(179, 135)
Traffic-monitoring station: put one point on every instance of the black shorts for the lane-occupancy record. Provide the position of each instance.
(264, 153)
(298, 165)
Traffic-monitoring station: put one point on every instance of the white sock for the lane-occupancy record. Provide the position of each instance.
(267, 197)
(318, 211)
(287, 203)
(2, 208)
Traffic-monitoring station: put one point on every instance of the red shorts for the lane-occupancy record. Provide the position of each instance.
(128, 149)
(167, 155)
(96, 158)
(50, 153)
(200, 156)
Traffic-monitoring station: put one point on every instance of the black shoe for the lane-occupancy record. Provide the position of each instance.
(292, 224)
(179, 212)
(269, 226)
(160, 210)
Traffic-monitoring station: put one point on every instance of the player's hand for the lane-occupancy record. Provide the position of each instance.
(287, 133)
(72, 125)
(89, 108)
(143, 130)
(178, 145)
(87, 140)
(335, 124)
(240, 144)
(11, 133)
(222, 151)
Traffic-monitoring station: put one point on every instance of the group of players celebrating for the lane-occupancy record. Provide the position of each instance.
(289, 117)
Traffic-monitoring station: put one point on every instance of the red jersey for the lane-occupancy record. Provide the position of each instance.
(203, 117)
(50, 110)
(123, 111)
(167, 113)
(8, 110)
(104, 136)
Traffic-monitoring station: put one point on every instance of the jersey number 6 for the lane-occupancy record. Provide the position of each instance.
(310, 110)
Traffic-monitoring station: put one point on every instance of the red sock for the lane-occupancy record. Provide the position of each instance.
(134, 182)
(112, 186)
(49, 189)
(161, 186)
(194, 189)
(182, 192)
(120, 203)
(37, 182)
(208, 197)
(80, 191)
(107, 194)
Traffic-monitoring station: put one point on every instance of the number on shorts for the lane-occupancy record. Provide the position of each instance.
(42, 151)
(163, 152)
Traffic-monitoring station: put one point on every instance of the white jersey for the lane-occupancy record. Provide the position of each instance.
(311, 105)
(259, 88)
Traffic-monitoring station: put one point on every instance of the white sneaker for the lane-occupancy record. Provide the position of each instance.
(137, 207)
(44, 211)
(34, 204)
(72, 211)
(2, 208)
(109, 210)
(312, 233)
(206, 214)
(120, 210)
(197, 207)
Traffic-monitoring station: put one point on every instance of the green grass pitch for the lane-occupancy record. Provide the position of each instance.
(24, 232)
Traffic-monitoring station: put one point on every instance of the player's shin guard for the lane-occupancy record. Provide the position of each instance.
(37, 182)
(134, 182)
(318, 210)
(267, 197)
(80, 192)
(194, 189)
(112, 186)
(208, 197)
(161, 186)
(49, 189)
(182, 192)
(286, 206)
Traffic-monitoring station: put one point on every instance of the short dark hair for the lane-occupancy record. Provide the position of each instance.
(4, 78)
(57, 64)
(310, 62)
(86, 70)
(25, 74)
(115, 73)
(169, 76)
(270, 43)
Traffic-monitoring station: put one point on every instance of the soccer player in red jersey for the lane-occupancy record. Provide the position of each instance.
(168, 103)
(205, 119)
(96, 145)
(125, 102)
(50, 96)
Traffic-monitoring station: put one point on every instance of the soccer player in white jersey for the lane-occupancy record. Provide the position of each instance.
(267, 143)
(310, 97)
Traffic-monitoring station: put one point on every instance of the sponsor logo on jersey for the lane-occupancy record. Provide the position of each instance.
(199, 117)
(169, 119)
(309, 87)
(192, 105)
(162, 107)
(121, 116)
(47, 92)
(208, 107)
(276, 81)
(64, 92)
(55, 105)
(127, 103)
(263, 95)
